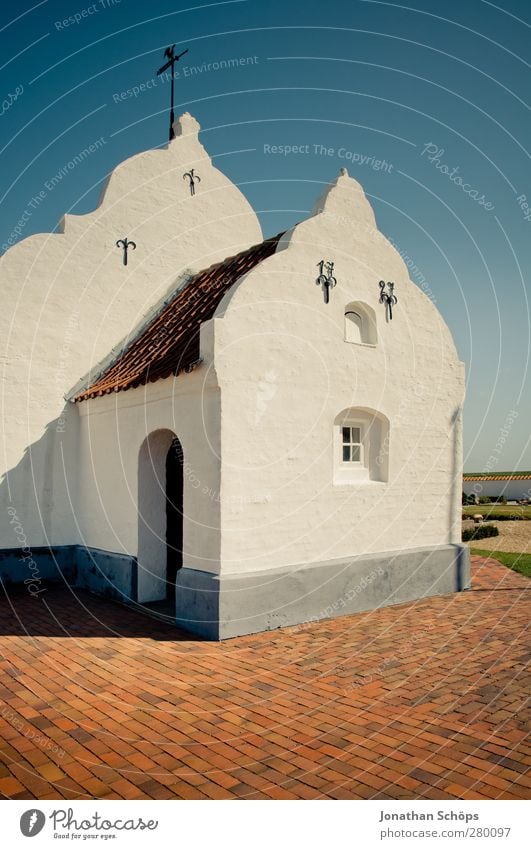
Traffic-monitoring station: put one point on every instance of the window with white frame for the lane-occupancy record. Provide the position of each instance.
(351, 444)
(360, 446)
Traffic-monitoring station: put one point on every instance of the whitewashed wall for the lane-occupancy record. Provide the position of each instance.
(112, 431)
(276, 373)
(285, 373)
(68, 299)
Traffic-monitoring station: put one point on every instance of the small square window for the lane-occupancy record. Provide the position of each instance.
(360, 440)
(351, 447)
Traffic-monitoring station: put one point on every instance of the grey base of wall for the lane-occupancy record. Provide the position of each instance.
(220, 607)
(102, 572)
(37, 567)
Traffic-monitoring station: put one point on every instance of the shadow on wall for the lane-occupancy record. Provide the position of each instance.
(40, 541)
(45, 570)
(35, 496)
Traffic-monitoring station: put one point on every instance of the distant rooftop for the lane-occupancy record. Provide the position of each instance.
(496, 476)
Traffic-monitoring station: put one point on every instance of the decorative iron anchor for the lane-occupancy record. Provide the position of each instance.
(125, 244)
(193, 178)
(326, 281)
(388, 297)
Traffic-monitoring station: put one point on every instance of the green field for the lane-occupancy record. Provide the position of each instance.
(517, 562)
(495, 511)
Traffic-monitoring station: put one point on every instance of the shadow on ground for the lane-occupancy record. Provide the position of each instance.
(69, 612)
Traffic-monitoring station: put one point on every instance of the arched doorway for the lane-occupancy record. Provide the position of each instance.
(174, 515)
(160, 516)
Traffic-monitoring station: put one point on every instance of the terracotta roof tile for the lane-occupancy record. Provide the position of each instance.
(170, 343)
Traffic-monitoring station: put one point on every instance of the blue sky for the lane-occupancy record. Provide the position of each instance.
(427, 87)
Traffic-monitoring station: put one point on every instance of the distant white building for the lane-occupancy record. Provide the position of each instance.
(514, 485)
(258, 449)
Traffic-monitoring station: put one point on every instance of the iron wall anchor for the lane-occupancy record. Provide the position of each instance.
(388, 297)
(326, 281)
(193, 178)
(125, 244)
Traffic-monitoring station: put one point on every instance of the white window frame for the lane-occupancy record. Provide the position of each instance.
(350, 471)
(351, 443)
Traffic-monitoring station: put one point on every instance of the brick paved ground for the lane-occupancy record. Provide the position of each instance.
(424, 700)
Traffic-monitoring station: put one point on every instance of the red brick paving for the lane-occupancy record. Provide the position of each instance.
(423, 700)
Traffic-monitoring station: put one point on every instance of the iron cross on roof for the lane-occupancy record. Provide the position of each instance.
(169, 54)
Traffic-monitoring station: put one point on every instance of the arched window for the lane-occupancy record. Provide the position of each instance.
(360, 324)
(361, 446)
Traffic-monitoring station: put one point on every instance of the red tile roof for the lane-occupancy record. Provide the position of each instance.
(170, 343)
(501, 476)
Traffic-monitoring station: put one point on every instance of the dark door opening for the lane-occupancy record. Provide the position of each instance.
(174, 516)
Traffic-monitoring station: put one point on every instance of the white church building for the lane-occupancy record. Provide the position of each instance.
(244, 432)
